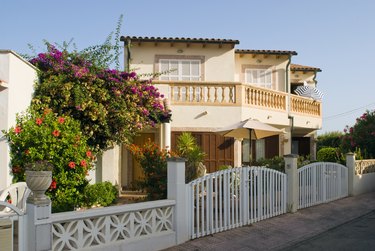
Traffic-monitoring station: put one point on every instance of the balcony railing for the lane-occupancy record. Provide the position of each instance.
(202, 93)
(238, 94)
(264, 98)
(305, 106)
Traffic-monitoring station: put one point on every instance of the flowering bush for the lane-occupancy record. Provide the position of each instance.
(361, 136)
(154, 164)
(111, 105)
(58, 140)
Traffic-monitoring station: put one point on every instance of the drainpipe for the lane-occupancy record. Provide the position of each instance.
(127, 54)
(287, 73)
(291, 118)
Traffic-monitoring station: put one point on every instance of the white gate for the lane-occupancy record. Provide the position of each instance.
(322, 182)
(234, 197)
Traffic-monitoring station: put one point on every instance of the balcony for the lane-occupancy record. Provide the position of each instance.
(235, 94)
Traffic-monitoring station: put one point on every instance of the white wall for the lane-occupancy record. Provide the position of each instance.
(20, 77)
(363, 183)
(218, 65)
(108, 166)
(277, 63)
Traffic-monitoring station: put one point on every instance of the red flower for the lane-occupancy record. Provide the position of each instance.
(72, 164)
(53, 184)
(89, 154)
(83, 163)
(61, 120)
(17, 130)
(27, 151)
(10, 201)
(38, 121)
(56, 133)
(16, 169)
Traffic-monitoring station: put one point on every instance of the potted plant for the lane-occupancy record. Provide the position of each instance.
(38, 179)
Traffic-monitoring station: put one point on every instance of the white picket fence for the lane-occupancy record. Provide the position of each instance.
(322, 182)
(235, 197)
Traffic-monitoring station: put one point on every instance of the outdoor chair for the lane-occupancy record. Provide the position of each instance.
(16, 195)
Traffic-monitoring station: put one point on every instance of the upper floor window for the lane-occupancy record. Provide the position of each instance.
(259, 77)
(180, 69)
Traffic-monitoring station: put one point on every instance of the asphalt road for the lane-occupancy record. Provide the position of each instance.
(358, 234)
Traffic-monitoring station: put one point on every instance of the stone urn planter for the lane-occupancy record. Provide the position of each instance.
(38, 180)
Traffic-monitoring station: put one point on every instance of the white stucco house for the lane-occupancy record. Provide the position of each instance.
(17, 77)
(211, 84)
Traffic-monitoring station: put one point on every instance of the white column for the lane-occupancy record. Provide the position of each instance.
(177, 190)
(166, 136)
(237, 152)
(350, 164)
(287, 142)
(111, 165)
(39, 236)
(292, 182)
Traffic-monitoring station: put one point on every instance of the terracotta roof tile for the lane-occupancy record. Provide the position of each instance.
(180, 40)
(271, 52)
(298, 67)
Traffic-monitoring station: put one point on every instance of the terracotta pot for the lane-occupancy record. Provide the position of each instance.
(38, 182)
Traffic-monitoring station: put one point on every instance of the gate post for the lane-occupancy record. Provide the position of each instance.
(39, 235)
(292, 182)
(350, 164)
(177, 191)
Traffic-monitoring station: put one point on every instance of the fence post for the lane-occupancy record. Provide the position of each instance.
(39, 236)
(292, 182)
(177, 192)
(350, 164)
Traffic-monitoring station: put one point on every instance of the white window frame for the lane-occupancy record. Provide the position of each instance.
(267, 73)
(176, 74)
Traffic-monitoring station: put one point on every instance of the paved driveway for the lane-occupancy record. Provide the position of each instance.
(358, 234)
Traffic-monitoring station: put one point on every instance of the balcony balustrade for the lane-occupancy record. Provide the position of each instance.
(238, 94)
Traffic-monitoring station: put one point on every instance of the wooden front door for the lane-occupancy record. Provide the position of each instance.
(219, 150)
(140, 140)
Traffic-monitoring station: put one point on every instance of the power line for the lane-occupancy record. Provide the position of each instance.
(347, 112)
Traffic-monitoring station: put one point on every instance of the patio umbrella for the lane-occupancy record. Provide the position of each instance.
(309, 92)
(248, 129)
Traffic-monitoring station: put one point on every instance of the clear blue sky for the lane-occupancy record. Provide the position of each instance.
(336, 36)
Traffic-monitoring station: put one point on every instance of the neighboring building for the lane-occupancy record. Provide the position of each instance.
(17, 77)
(211, 84)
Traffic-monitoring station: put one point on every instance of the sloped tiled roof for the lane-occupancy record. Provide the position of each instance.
(180, 40)
(298, 67)
(270, 52)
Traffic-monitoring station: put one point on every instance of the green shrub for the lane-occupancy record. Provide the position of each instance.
(187, 148)
(276, 163)
(328, 154)
(329, 139)
(153, 161)
(103, 194)
(57, 139)
(361, 136)
(224, 167)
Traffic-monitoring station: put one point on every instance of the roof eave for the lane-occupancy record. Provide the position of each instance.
(266, 52)
(179, 40)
